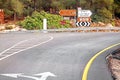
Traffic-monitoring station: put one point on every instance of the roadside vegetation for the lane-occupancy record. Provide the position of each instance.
(36, 21)
(31, 12)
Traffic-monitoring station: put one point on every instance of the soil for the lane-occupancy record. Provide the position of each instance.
(114, 64)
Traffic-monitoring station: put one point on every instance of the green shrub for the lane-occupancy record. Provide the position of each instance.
(36, 21)
(8, 27)
(102, 15)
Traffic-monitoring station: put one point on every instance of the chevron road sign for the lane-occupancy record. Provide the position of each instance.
(83, 24)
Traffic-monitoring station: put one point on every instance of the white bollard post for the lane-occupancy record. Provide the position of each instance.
(45, 25)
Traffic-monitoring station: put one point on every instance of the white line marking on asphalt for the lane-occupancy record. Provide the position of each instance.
(51, 38)
(40, 76)
(12, 75)
(45, 75)
(12, 46)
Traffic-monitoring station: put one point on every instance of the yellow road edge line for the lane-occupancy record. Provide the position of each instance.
(87, 67)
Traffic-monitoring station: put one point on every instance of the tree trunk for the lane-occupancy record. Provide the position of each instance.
(15, 16)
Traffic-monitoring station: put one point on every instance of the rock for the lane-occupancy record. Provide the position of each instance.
(2, 27)
(22, 29)
(15, 29)
(117, 22)
(18, 29)
(109, 25)
(114, 64)
(12, 25)
(101, 24)
(93, 24)
(6, 31)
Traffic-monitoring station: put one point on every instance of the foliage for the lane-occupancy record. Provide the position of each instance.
(117, 8)
(17, 6)
(36, 21)
(103, 15)
(103, 10)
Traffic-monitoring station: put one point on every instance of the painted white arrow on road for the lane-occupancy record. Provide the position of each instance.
(12, 75)
(43, 76)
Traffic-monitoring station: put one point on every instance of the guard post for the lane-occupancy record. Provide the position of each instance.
(44, 25)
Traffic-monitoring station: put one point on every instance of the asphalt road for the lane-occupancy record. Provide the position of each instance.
(54, 56)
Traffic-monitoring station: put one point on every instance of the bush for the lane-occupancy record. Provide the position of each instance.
(103, 15)
(36, 21)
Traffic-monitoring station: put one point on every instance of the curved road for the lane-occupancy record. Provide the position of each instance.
(54, 56)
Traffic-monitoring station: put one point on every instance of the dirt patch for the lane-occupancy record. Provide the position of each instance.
(114, 64)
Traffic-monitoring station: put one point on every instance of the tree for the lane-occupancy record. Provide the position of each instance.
(102, 9)
(57, 5)
(117, 8)
(17, 7)
(11, 7)
(26, 7)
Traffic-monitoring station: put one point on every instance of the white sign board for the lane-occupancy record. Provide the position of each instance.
(79, 8)
(84, 13)
(66, 18)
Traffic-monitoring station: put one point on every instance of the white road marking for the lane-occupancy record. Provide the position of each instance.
(12, 46)
(15, 46)
(51, 38)
(45, 75)
(12, 75)
(41, 76)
